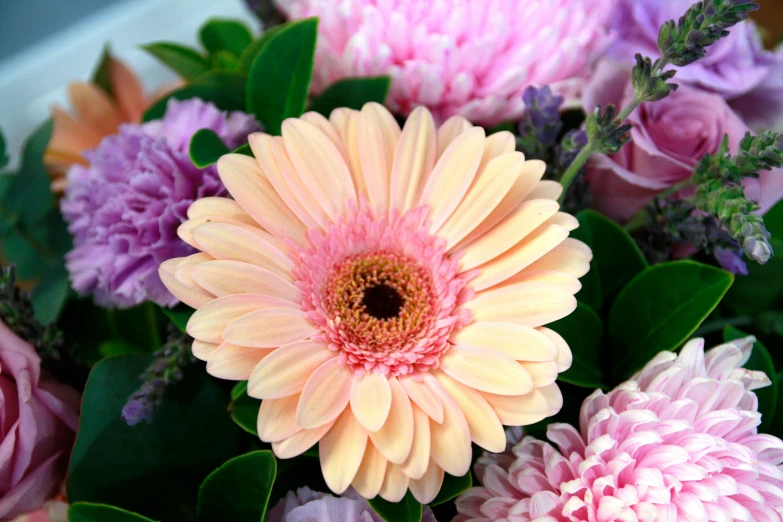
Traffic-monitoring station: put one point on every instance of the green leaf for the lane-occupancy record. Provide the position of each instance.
(244, 149)
(762, 288)
(760, 360)
(219, 34)
(452, 487)
(226, 89)
(773, 220)
(206, 147)
(659, 309)
(352, 93)
(102, 74)
(186, 62)
(252, 50)
(86, 512)
(239, 489)
(244, 409)
(117, 347)
(17, 249)
(583, 330)
(28, 198)
(49, 295)
(279, 79)
(406, 510)
(154, 469)
(224, 60)
(3, 155)
(179, 315)
(616, 258)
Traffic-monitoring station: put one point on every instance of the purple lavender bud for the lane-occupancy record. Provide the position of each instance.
(731, 260)
(541, 121)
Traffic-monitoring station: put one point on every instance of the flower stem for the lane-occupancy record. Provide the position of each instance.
(573, 169)
(628, 109)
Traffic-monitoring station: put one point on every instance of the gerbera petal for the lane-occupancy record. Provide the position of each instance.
(234, 277)
(371, 399)
(395, 484)
(532, 171)
(421, 393)
(449, 131)
(531, 304)
(320, 122)
(519, 342)
(341, 451)
(194, 297)
(426, 488)
(219, 208)
(566, 221)
(273, 159)
(325, 395)
(202, 350)
(561, 280)
(233, 362)
(523, 220)
(525, 409)
(286, 370)
(300, 442)
(277, 418)
(413, 160)
(498, 144)
(452, 175)
(486, 370)
(451, 449)
(269, 328)
(224, 241)
(564, 357)
(416, 464)
(369, 477)
(514, 260)
(571, 256)
(395, 438)
(346, 121)
(209, 321)
(248, 185)
(543, 373)
(183, 270)
(378, 135)
(546, 189)
(94, 107)
(319, 165)
(490, 187)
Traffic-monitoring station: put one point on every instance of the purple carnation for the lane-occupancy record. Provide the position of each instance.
(125, 207)
(737, 67)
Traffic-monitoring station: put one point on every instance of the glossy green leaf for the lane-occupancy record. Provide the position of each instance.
(224, 60)
(50, 294)
(762, 288)
(86, 512)
(352, 93)
(243, 408)
(239, 489)
(179, 315)
(659, 309)
(206, 147)
(226, 89)
(154, 469)
(583, 330)
(186, 62)
(773, 220)
(760, 360)
(776, 427)
(406, 510)
(116, 347)
(616, 258)
(452, 487)
(279, 78)
(3, 155)
(101, 76)
(251, 51)
(244, 149)
(28, 198)
(30, 258)
(220, 34)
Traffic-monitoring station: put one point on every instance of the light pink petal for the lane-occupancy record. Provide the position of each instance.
(325, 395)
(341, 451)
(286, 370)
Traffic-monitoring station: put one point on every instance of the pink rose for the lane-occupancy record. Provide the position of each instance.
(38, 422)
(668, 138)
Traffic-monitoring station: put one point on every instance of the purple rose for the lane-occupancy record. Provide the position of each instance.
(38, 426)
(668, 138)
(737, 67)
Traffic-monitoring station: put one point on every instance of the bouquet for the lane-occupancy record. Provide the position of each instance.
(405, 261)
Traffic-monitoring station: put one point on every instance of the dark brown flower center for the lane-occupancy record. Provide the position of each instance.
(382, 301)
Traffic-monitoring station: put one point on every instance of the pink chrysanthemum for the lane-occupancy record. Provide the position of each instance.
(678, 442)
(469, 57)
(384, 291)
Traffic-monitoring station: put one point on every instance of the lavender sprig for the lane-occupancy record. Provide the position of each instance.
(541, 123)
(164, 372)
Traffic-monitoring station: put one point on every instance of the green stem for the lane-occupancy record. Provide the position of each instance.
(719, 324)
(628, 109)
(638, 220)
(573, 169)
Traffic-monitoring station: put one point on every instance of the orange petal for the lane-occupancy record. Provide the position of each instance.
(209, 321)
(419, 459)
(341, 452)
(395, 484)
(421, 393)
(325, 395)
(369, 477)
(531, 304)
(486, 370)
(302, 441)
(285, 371)
(94, 107)
(194, 297)
(413, 160)
(127, 91)
(234, 277)
(395, 438)
(277, 419)
(378, 138)
(519, 342)
(449, 131)
(426, 488)
(270, 328)
(371, 400)
(233, 362)
(246, 182)
(71, 137)
(451, 449)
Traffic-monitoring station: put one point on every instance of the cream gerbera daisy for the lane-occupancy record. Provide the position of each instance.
(384, 291)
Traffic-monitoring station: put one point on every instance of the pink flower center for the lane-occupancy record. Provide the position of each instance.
(384, 291)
